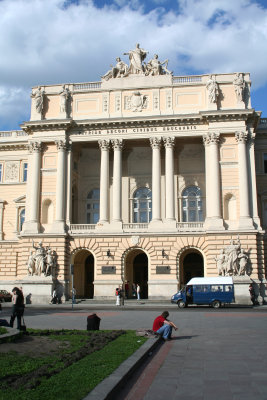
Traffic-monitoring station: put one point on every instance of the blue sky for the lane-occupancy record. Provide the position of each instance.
(57, 41)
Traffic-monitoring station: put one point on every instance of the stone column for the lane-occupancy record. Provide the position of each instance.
(32, 223)
(69, 185)
(104, 182)
(213, 185)
(169, 143)
(252, 178)
(117, 145)
(245, 220)
(59, 223)
(156, 181)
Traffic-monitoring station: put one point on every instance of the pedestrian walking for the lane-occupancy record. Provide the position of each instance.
(134, 289)
(73, 295)
(138, 290)
(54, 299)
(118, 296)
(17, 307)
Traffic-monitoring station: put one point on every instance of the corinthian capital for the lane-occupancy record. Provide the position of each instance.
(241, 137)
(169, 142)
(155, 142)
(117, 144)
(35, 147)
(61, 145)
(104, 144)
(211, 138)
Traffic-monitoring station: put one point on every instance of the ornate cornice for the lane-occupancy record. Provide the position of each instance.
(15, 146)
(43, 125)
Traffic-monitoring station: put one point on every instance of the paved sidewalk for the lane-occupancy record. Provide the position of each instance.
(219, 354)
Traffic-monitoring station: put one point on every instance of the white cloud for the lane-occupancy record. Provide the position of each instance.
(53, 41)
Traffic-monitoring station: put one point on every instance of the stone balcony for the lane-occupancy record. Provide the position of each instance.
(82, 229)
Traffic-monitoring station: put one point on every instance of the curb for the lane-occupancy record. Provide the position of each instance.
(12, 332)
(105, 389)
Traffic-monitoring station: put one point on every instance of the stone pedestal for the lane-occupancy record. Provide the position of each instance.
(241, 287)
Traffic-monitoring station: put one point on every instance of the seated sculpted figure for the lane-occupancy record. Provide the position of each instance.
(155, 67)
(118, 71)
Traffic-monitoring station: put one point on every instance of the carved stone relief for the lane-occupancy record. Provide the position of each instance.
(12, 171)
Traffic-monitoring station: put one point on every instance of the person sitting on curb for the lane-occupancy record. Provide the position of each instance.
(163, 327)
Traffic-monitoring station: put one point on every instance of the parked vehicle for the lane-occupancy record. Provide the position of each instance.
(212, 291)
(5, 296)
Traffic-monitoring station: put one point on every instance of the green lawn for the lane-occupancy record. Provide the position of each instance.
(82, 361)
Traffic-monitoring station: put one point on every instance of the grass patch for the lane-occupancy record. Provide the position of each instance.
(82, 361)
(3, 331)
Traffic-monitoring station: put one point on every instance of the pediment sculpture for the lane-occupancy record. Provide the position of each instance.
(42, 261)
(232, 260)
(137, 66)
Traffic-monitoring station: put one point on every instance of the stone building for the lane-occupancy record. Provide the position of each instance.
(142, 177)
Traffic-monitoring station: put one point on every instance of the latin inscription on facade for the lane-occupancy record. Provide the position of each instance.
(162, 269)
(108, 270)
(172, 128)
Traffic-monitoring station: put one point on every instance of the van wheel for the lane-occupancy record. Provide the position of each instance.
(216, 304)
(181, 304)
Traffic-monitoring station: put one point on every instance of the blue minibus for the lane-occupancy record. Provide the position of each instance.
(213, 291)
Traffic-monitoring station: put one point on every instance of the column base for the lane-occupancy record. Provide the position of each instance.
(169, 225)
(58, 227)
(214, 224)
(155, 225)
(245, 223)
(31, 227)
(115, 226)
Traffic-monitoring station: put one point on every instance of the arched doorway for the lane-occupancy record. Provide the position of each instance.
(192, 265)
(83, 278)
(136, 271)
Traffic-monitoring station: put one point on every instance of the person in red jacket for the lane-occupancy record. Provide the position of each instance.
(163, 327)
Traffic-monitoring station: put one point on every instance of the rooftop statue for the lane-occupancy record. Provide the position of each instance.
(137, 66)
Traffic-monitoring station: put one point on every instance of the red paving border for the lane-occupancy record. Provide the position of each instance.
(145, 380)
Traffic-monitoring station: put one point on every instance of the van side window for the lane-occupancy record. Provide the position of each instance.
(217, 288)
(228, 288)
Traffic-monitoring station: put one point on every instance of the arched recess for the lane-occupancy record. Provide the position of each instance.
(230, 207)
(47, 212)
(190, 265)
(84, 271)
(135, 270)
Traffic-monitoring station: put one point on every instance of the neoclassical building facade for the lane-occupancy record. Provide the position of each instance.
(142, 177)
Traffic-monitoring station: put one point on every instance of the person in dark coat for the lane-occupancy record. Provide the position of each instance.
(17, 308)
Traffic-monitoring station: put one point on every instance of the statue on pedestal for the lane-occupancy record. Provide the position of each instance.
(43, 262)
(137, 66)
(38, 97)
(213, 89)
(239, 85)
(64, 100)
(232, 261)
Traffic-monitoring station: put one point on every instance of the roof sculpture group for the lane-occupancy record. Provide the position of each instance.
(137, 66)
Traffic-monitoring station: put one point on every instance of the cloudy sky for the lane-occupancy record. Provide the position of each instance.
(55, 41)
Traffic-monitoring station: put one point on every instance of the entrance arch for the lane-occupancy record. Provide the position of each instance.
(83, 278)
(136, 271)
(191, 266)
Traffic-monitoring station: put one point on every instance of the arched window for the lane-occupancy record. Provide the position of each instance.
(142, 205)
(92, 207)
(47, 212)
(192, 205)
(21, 219)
